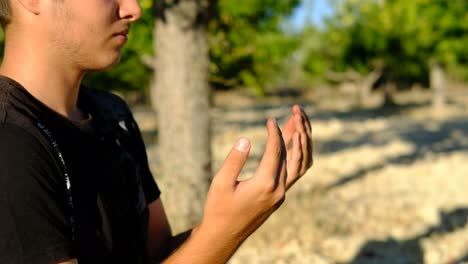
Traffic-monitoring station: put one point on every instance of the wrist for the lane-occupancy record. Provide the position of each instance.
(206, 244)
(219, 233)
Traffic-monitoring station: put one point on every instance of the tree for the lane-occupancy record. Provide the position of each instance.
(180, 95)
(239, 43)
(402, 37)
(248, 46)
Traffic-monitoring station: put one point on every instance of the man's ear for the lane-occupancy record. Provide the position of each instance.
(32, 6)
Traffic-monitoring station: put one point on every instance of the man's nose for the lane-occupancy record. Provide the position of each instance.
(130, 10)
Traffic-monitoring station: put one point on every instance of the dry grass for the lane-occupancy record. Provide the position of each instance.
(388, 186)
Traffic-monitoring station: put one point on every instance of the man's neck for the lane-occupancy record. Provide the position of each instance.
(47, 78)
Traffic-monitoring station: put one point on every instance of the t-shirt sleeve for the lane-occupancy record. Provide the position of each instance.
(34, 226)
(150, 188)
(114, 108)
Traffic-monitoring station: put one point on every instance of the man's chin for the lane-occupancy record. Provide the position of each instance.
(103, 66)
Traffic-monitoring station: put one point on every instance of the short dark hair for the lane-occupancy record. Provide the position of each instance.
(5, 13)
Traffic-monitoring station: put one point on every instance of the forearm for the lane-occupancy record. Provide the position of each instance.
(205, 245)
(166, 246)
(176, 241)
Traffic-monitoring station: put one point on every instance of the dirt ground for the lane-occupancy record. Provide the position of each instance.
(388, 185)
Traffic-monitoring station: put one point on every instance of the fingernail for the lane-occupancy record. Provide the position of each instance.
(243, 145)
(274, 120)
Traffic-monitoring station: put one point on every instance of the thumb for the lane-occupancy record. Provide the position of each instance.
(234, 162)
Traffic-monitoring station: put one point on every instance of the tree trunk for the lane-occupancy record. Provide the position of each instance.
(366, 85)
(437, 83)
(180, 95)
(388, 90)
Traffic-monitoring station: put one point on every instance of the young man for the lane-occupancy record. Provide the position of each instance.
(74, 180)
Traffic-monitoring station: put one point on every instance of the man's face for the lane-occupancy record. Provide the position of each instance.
(90, 34)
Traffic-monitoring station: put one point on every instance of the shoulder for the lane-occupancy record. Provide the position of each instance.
(106, 104)
(24, 157)
(14, 137)
(5, 90)
(19, 142)
(33, 205)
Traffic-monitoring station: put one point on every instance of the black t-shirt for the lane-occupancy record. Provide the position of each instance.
(71, 190)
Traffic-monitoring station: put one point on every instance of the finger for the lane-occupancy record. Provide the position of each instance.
(304, 144)
(288, 130)
(233, 164)
(283, 171)
(306, 140)
(306, 154)
(310, 148)
(289, 127)
(306, 120)
(294, 161)
(299, 125)
(271, 163)
(308, 161)
(283, 175)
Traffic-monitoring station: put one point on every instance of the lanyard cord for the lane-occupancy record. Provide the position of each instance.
(47, 132)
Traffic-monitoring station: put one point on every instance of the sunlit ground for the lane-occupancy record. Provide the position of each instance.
(388, 185)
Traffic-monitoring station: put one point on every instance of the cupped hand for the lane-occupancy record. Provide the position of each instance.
(237, 208)
(298, 131)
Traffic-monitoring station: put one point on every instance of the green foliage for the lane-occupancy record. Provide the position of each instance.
(248, 48)
(318, 55)
(401, 36)
(247, 45)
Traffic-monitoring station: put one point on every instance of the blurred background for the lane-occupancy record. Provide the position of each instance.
(384, 83)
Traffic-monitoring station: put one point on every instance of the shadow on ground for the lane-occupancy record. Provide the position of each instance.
(447, 137)
(354, 114)
(410, 251)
